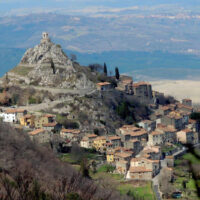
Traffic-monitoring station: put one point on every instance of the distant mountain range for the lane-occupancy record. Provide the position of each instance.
(141, 65)
(157, 42)
(129, 30)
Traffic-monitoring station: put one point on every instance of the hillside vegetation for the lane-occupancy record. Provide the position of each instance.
(30, 172)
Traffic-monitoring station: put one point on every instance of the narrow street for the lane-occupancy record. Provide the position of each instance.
(155, 180)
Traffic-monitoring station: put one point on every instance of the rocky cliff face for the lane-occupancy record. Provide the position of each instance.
(47, 65)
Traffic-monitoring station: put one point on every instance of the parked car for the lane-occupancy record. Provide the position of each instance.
(176, 195)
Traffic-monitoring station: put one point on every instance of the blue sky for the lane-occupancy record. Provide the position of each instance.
(17, 6)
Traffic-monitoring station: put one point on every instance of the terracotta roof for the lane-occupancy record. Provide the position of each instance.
(110, 153)
(103, 83)
(156, 133)
(192, 121)
(135, 159)
(170, 157)
(123, 154)
(138, 133)
(165, 108)
(147, 121)
(73, 131)
(114, 138)
(184, 106)
(91, 135)
(122, 161)
(134, 140)
(145, 159)
(187, 130)
(100, 138)
(53, 124)
(166, 128)
(139, 169)
(140, 84)
(14, 110)
(108, 144)
(152, 149)
(174, 116)
(188, 100)
(49, 115)
(36, 131)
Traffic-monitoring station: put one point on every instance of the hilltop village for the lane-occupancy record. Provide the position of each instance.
(139, 150)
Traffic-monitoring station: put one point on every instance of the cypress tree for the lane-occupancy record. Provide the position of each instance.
(117, 73)
(105, 69)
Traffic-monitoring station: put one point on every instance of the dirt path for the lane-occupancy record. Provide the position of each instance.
(52, 104)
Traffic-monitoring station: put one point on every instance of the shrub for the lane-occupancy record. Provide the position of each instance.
(32, 100)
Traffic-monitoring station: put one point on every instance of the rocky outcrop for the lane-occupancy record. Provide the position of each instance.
(47, 65)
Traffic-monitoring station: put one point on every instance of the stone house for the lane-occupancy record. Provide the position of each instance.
(153, 165)
(104, 86)
(122, 156)
(44, 119)
(194, 125)
(156, 138)
(151, 152)
(139, 173)
(115, 141)
(139, 135)
(187, 102)
(87, 141)
(134, 145)
(186, 117)
(148, 125)
(40, 135)
(122, 166)
(170, 161)
(71, 134)
(169, 131)
(185, 108)
(125, 84)
(124, 132)
(143, 91)
(164, 110)
(53, 126)
(173, 119)
(187, 136)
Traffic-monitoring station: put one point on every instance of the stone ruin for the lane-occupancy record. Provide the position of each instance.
(45, 37)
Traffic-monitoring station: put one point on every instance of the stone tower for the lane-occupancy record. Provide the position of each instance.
(45, 37)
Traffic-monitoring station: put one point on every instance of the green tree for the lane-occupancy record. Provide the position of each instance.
(105, 69)
(123, 110)
(117, 75)
(73, 196)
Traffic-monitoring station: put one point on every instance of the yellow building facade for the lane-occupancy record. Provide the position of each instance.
(99, 142)
(110, 157)
(27, 120)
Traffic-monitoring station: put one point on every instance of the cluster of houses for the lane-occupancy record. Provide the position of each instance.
(135, 150)
(40, 127)
(141, 90)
